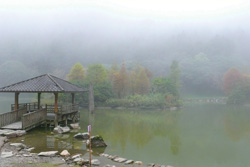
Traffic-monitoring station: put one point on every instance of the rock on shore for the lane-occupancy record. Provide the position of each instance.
(7, 154)
(83, 136)
(75, 126)
(138, 162)
(65, 153)
(120, 160)
(12, 133)
(96, 141)
(19, 145)
(61, 130)
(48, 153)
(2, 141)
(95, 162)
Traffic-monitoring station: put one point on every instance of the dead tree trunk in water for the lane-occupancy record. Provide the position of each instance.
(91, 99)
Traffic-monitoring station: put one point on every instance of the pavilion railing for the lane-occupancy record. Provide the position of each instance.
(51, 108)
(28, 106)
(33, 119)
(63, 109)
(70, 108)
(11, 117)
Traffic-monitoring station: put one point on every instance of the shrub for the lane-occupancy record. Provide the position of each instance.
(140, 101)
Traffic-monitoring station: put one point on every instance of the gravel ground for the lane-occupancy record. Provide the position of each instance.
(22, 158)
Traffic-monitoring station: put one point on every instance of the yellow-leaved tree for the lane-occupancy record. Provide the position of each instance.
(76, 73)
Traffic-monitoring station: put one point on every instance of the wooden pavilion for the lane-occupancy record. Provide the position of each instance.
(29, 115)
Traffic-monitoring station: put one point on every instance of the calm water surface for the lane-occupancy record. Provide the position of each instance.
(199, 135)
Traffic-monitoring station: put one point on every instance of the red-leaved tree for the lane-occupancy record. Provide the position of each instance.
(231, 80)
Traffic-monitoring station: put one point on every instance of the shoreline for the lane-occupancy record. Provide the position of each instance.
(137, 108)
(22, 157)
(19, 155)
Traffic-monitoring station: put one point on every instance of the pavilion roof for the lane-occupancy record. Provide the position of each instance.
(44, 83)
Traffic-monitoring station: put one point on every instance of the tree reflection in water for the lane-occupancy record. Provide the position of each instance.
(137, 127)
(237, 123)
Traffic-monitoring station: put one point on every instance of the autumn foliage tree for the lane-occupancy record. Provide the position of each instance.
(142, 85)
(139, 80)
(76, 73)
(121, 83)
(231, 80)
(96, 73)
(76, 76)
(112, 73)
(236, 86)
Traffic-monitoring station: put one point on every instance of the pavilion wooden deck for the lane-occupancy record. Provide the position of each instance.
(30, 115)
(14, 126)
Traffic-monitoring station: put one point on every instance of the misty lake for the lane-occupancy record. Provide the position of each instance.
(198, 135)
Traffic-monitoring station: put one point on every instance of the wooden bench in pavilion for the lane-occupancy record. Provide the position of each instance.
(29, 115)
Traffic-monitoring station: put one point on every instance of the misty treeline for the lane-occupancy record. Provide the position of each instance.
(33, 43)
(203, 58)
(119, 87)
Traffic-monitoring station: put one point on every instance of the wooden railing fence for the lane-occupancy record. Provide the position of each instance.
(11, 117)
(8, 118)
(32, 119)
(20, 113)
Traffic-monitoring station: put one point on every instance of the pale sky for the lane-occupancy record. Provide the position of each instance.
(179, 9)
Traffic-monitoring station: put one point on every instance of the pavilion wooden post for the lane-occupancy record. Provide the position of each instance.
(56, 109)
(38, 100)
(73, 98)
(16, 100)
